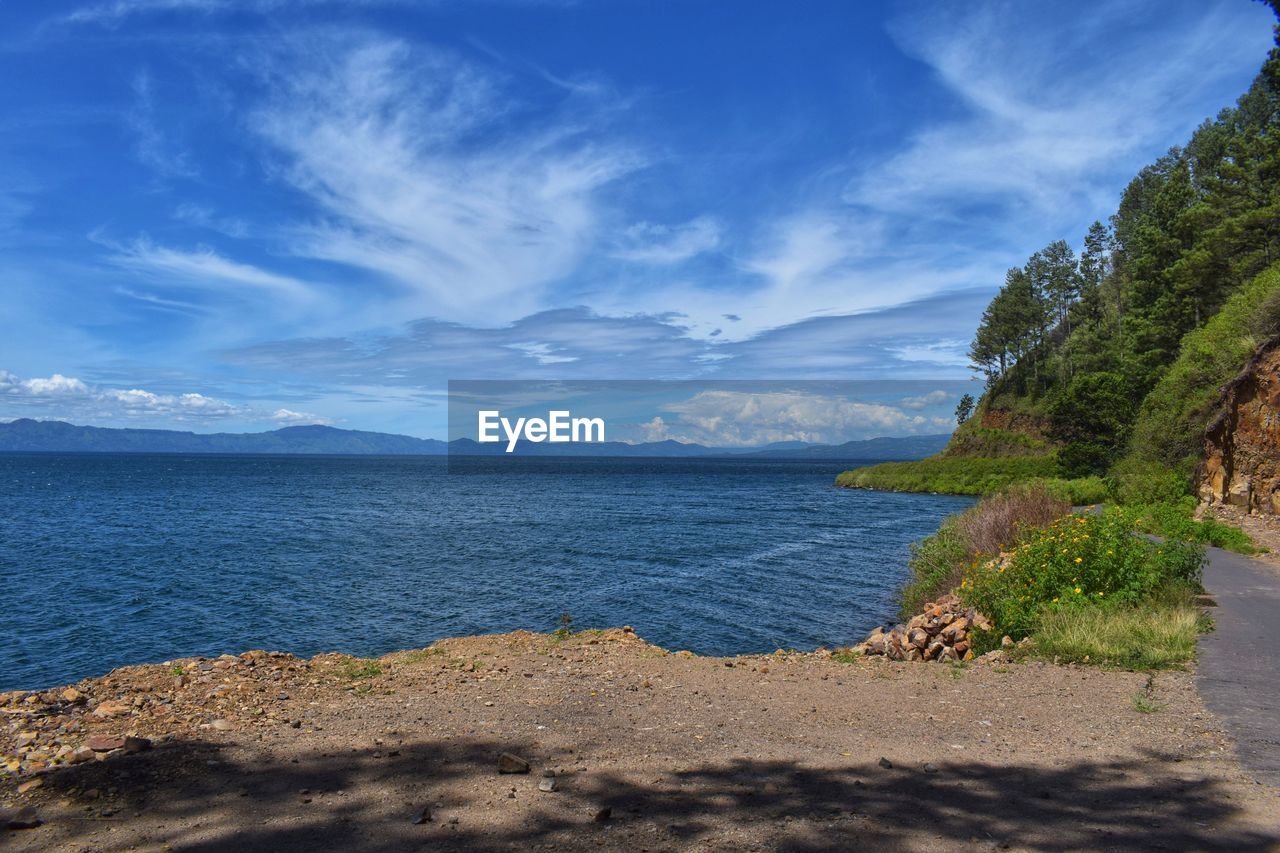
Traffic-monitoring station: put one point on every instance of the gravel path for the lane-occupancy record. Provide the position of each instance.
(1239, 672)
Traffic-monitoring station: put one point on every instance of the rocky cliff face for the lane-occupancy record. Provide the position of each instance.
(1241, 464)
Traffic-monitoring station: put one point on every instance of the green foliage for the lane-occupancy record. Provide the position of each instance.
(951, 475)
(1086, 560)
(939, 561)
(1175, 413)
(1158, 306)
(964, 408)
(1080, 491)
(973, 440)
(937, 565)
(1155, 634)
(1138, 483)
(565, 631)
(1175, 521)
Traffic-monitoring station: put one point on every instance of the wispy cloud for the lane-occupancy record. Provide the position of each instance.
(203, 267)
(425, 174)
(1039, 132)
(115, 12)
(650, 243)
(151, 145)
(1029, 144)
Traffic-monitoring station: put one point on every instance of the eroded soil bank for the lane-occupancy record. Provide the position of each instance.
(648, 751)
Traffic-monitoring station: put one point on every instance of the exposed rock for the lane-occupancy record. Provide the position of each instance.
(23, 818)
(30, 785)
(508, 763)
(547, 785)
(1241, 460)
(423, 816)
(134, 744)
(112, 708)
(105, 743)
(603, 814)
(940, 633)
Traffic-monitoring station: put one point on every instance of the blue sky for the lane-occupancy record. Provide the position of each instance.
(222, 215)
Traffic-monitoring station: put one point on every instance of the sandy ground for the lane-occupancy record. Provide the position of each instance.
(649, 751)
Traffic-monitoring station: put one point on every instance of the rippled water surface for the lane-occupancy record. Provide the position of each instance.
(108, 560)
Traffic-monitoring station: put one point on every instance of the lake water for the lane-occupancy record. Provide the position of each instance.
(108, 560)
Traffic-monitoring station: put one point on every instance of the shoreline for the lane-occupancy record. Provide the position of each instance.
(268, 751)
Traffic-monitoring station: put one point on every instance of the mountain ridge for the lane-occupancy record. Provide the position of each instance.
(26, 435)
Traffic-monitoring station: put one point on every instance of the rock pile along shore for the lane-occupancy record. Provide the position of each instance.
(940, 633)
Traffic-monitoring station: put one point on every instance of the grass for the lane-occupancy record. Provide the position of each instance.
(959, 475)
(1160, 633)
(419, 655)
(1175, 521)
(356, 669)
(845, 656)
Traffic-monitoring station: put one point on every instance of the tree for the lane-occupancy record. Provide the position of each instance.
(964, 409)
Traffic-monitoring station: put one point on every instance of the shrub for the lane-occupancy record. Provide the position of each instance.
(1080, 491)
(938, 562)
(1175, 521)
(1138, 482)
(996, 522)
(1077, 561)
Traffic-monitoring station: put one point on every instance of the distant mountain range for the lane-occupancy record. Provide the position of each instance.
(26, 435)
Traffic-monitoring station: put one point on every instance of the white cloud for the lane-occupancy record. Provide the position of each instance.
(542, 353)
(649, 243)
(427, 176)
(67, 396)
(1041, 132)
(203, 267)
(205, 217)
(291, 417)
(924, 401)
(744, 419)
(655, 430)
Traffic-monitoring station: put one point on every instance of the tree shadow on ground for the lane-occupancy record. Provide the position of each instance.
(195, 795)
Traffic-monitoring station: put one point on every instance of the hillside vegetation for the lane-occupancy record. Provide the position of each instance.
(1102, 368)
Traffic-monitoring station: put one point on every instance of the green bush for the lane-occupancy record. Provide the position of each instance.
(1137, 482)
(1078, 492)
(937, 564)
(1077, 561)
(1175, 521)
(993, 524)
